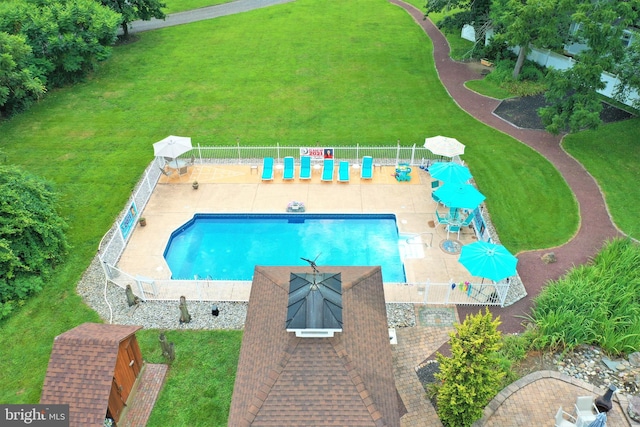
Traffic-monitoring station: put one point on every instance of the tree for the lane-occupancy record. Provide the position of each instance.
(67, 37)
(543, 23)
(472, 376)
(18, 85)
(474, 12)
(32, 235)
(132, 10)
(627, 71)
(572, 95)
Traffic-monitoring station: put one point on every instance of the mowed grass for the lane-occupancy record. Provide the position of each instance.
(198, 389)
(611, 154)
(357, 72)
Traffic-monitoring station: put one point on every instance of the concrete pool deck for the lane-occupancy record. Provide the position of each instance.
(239, 189)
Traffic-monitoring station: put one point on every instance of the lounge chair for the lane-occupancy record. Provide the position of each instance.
(267, 169)
(343, 172)
(289, 168)
(305, 167)
(327, 170)
(366, 172)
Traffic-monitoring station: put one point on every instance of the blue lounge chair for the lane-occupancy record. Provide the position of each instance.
(305, 167)
(367, 168)
(343, 171)
(327, 170)
(267, 169)
(289, 168)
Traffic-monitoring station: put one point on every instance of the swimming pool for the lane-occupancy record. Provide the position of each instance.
(229, 246)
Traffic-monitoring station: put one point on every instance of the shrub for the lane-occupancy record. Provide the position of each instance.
(32, 239)
(472, 376)
(594, 304)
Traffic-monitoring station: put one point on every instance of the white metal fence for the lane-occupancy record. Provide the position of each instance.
(114, 242)
(385, 156)
(223, 290)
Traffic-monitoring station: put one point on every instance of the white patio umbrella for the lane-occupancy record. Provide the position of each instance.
(444, 146)
(172, 146)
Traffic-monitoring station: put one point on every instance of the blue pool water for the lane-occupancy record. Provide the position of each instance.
(228, 247)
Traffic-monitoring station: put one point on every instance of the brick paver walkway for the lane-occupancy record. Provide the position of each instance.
(414, 346)
(149, 386)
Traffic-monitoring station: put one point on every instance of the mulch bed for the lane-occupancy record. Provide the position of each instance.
(523, 112)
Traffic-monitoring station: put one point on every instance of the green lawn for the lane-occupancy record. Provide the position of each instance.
(356, 72)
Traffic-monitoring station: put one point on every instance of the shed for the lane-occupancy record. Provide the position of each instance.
(93, 368)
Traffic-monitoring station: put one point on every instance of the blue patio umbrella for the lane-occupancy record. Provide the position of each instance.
(488, 260)
(458, 195)
(450, 172)
(600, 421)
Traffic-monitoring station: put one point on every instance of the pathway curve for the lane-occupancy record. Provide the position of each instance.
(595, 223)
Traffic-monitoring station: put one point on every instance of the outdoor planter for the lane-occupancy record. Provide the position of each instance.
(142, 221)
(195, 185)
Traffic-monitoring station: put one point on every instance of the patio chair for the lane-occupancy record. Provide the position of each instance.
(289, 168)
(305, 167)
(327, 170)
(267, 169)
(463, 224)
(164, 172)
(443, 220)
(561, 421)
(586, 410)
(366, 172)
(343, 172)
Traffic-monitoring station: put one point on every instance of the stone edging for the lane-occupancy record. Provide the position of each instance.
(497, 401)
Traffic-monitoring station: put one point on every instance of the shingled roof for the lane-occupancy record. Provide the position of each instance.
(346, 380)
(81, 369)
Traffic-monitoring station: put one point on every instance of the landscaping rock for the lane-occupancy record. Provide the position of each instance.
(549, 258)
(634, 408)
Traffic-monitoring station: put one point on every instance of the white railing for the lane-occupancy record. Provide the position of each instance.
(465, 293)
(386, 156)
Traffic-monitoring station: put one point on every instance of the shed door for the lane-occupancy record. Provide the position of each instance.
(116, 402)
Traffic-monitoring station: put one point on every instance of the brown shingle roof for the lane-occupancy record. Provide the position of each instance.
(81, 369)
(346, 380)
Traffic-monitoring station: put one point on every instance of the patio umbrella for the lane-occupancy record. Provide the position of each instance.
(444, 146)
(488, 260)
(600, 421)
(450, 172)
(172, 146)
(456, 195)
